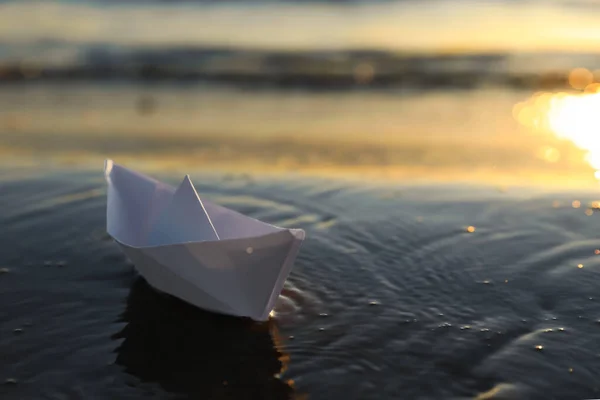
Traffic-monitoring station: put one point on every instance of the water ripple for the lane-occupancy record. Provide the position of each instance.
(388, 295)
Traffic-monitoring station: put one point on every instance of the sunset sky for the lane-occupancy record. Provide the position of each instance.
(416, 26)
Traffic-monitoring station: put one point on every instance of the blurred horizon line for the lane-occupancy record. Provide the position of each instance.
(309, 69)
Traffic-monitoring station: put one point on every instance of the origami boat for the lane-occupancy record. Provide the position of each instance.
(205, 254)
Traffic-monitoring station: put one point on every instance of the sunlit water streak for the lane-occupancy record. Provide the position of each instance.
(380, 134)
(573, 117)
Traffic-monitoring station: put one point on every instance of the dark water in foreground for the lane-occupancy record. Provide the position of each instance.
(390, 297)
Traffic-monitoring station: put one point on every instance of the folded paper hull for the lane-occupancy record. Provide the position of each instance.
(200, 252)
(242, 277)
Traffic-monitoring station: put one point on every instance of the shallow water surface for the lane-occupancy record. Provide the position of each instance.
(391, 296)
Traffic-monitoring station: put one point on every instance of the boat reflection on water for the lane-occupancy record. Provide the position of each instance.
(197, 353)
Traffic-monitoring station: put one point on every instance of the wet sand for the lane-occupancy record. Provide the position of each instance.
(392, 296)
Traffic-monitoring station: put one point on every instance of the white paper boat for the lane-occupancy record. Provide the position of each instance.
(205, 254)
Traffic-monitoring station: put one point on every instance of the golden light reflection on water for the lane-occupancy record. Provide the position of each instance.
(569, 116)
(369, 136)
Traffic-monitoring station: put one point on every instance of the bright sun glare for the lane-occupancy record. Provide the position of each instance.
(574, 117)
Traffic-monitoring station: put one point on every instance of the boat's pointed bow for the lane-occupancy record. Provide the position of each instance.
(285, 269)
(108, 166)
(299, 234)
